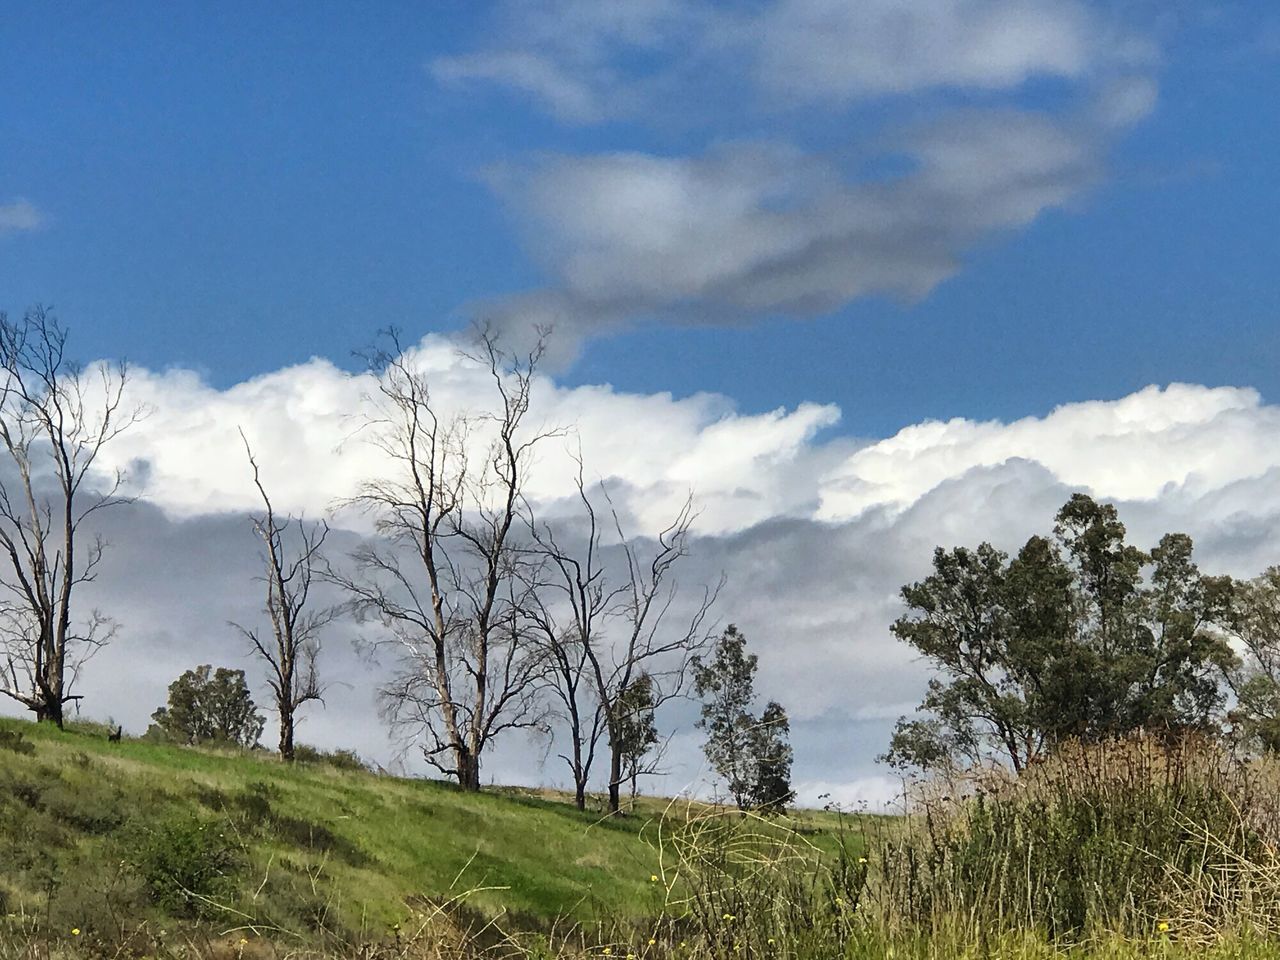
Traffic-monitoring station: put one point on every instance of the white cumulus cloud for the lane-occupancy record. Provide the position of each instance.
(815, 531)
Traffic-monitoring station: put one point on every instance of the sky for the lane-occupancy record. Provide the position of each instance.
(865, 277)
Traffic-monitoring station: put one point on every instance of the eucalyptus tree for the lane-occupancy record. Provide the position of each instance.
(752, 754)
(1255, 623)
(1081, 635)
(209, 706)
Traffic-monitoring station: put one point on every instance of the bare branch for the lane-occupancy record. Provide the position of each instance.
(292, 560)
(55, 419)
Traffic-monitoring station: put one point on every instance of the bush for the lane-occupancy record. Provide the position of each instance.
(339, 759)
(190, 866)
(15, 740)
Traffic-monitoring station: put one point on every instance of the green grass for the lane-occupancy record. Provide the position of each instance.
(314, 846)
(102, 845)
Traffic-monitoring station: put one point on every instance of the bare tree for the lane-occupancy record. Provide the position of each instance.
(292, 559)
(613, 635)
(569, 605)
(447, 581)
(55, 419)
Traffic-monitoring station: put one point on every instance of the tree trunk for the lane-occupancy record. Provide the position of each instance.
(469, 773)
(49, 710)
(615, 778)
(286, 736)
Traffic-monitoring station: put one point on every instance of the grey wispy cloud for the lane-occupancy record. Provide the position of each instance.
(755, 228)
(933, 92)
(587, 62)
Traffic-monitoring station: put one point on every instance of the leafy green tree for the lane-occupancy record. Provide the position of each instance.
(208, 706)
(1064, 640)
(771, 787)
(1184, 654)
(752, 754)
(1255, 621)
(995, 630)
(636, 727)
(725, 684)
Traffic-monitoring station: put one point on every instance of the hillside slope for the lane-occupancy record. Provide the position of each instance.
(92, 830)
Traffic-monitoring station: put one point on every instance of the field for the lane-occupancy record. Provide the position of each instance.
(137, 849)
(313, 846)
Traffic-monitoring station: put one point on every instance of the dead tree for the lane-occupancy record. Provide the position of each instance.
(446, 581)
(569, 605)
(292, 561)
(611, 634)
(55, 419)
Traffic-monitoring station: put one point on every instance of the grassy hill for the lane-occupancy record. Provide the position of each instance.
(91, 831)
(1114, 851)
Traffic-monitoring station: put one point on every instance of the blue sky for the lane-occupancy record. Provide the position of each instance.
(789, 233)
(234, 190)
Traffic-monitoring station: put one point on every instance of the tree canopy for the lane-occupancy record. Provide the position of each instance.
(210, 706)
(752, 754)
(1079, 635)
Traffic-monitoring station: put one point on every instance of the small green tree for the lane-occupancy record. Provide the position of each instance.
(1255, 622)
(751, 754)
(725, 685)
(771, 787)
(636, 727)
(208, 706)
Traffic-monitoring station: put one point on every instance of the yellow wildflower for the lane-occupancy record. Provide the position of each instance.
(1162, 926)
(75, 931)
(652, 941)
(653, 878)
(862, 859)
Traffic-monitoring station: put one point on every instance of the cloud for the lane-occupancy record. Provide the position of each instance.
(830, 49)
(304, 421)
(814, 531)
(20, 216)
(588, 62)
(568, 96)
(944, 123)
(584, 61)
(1159, 443)
(1106, 447)
(749, 229)
(869, 793)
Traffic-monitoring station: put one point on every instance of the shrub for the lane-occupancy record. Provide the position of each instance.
(16, 741)
(189, 865)
(339, 759)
